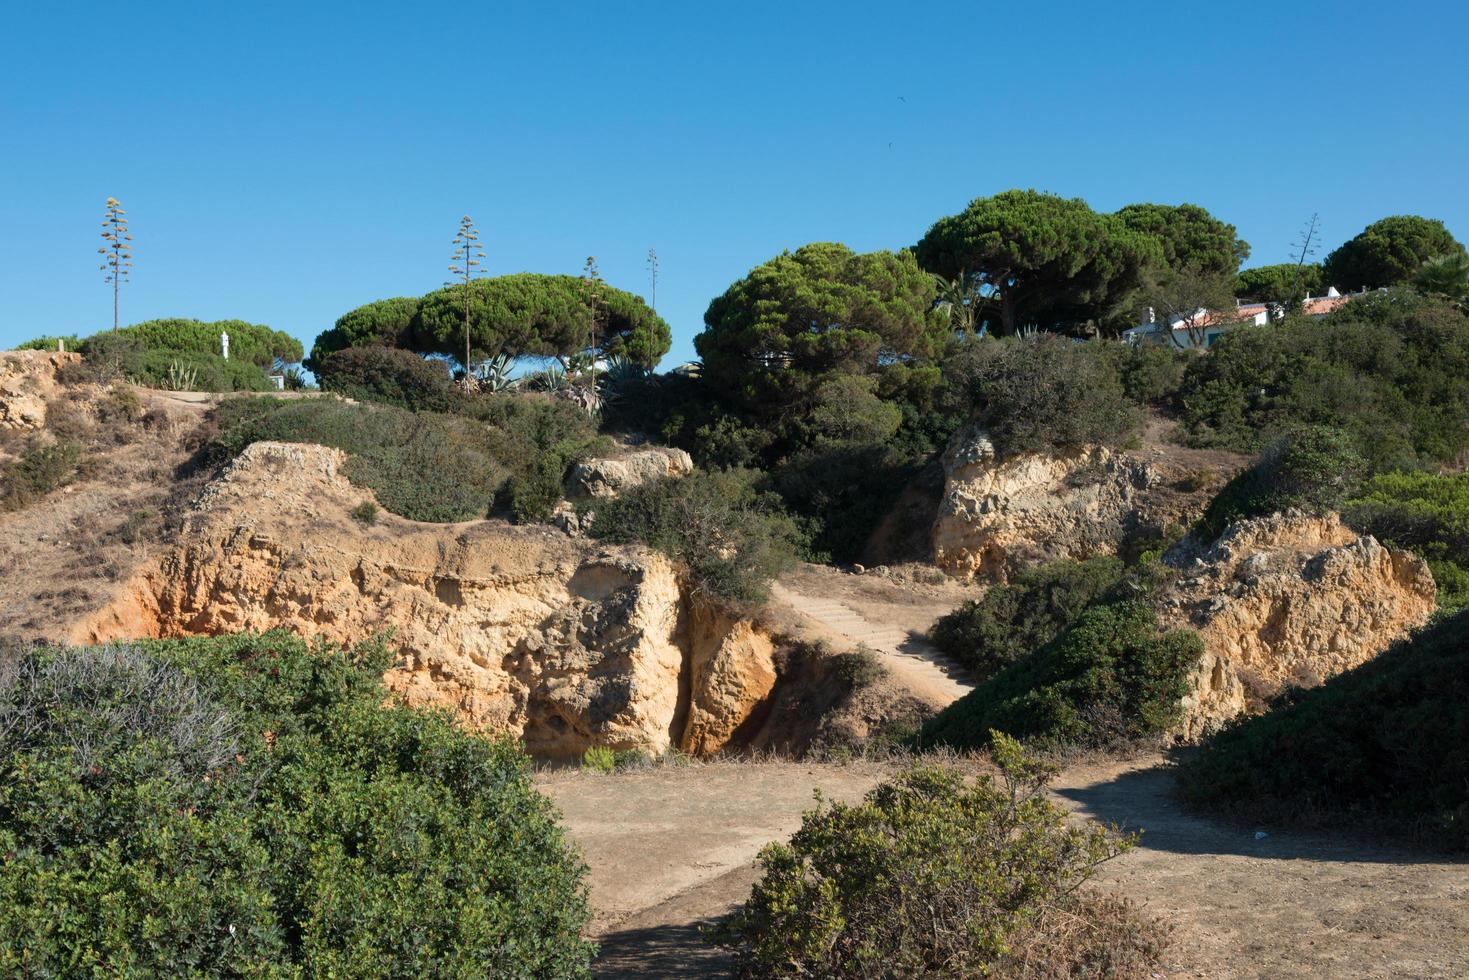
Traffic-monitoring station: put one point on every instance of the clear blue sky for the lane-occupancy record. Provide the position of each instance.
(284, 162)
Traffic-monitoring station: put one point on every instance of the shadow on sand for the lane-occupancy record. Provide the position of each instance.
(1142, 800)
(663, 952)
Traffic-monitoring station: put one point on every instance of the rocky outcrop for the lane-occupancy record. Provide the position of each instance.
(518, 629)
(27, 383)
(1289, 600)
(601, 479)
(1001, 513)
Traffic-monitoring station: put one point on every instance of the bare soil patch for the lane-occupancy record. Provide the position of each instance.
(671, 849)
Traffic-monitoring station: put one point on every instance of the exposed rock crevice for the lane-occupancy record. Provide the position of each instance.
(517, 629)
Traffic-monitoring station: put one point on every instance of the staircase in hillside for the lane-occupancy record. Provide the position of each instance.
(910, 657)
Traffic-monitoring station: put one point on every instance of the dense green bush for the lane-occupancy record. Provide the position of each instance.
(1111, 675)
(1151, 374)
(424, 467)
(539, 439)
(839, 493)
(932, 875)
(390, 375)
(1047, 392)
(190, 371)
(507, 449)
(1387, 740)
(1313, 469)
(1392, 369)
(249, 342)
(1426, 513)
(1013, 620)
(246, 806)
(732, 540)
(71, 341)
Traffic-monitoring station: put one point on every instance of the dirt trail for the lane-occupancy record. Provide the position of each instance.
(913, 661)
(671, 849)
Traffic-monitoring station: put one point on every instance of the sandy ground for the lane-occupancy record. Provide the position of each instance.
(672, 849)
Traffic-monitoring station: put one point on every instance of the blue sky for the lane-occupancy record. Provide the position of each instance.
(284, 162)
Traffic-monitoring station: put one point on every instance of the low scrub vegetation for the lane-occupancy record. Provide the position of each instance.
(1111, 675)
(246, 806)
(1426, 513)
(390, 375)
(1013, 620)
(428, 466)
(1389, 369)
(731, 539)
(1313, 469)
(1381, 744)
(1046, 393)
(39, 470)
(933, 875)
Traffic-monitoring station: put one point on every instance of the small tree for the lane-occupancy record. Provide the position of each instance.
(1196, 297)
(960, 299)
(467, 258)
(117, 254)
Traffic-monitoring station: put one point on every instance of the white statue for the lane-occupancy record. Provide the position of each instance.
(224, 344)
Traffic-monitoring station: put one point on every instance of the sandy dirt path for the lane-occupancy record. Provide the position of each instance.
(672, 849)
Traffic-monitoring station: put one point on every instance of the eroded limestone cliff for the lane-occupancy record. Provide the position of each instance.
(1289, 599)
(1000, 513)
(518, 629)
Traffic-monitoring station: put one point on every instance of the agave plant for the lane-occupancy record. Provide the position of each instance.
(494, 374)
(613, 382)
(181, 377)
(553, 378)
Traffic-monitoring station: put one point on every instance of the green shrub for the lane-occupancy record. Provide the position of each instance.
(1014, 620)
(931, 875)
(731, 540)
(190, 371)
(1426, 513)
(427, 466)
(599, 758)
(390, 375)
(40, 470)
(1391, 369)
(1151, 374)
(71, 341)
(860, 668)
(1110, 675)
(606, 760)
(540, 439)
(1048, 392)
(246, 806)
(365, 513)
(250, 343)
(839, 493)
(1313, 469)
(1384, 741)
(424, 467)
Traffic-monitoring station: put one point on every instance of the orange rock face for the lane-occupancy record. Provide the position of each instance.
(518, 629)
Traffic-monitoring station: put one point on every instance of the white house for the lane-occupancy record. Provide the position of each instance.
(1199, 330)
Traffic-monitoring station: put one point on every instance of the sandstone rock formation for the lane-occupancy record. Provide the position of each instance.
(1000, 513)
(605, 478)
(27, 382)
(1289, 599)
(518, 629)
